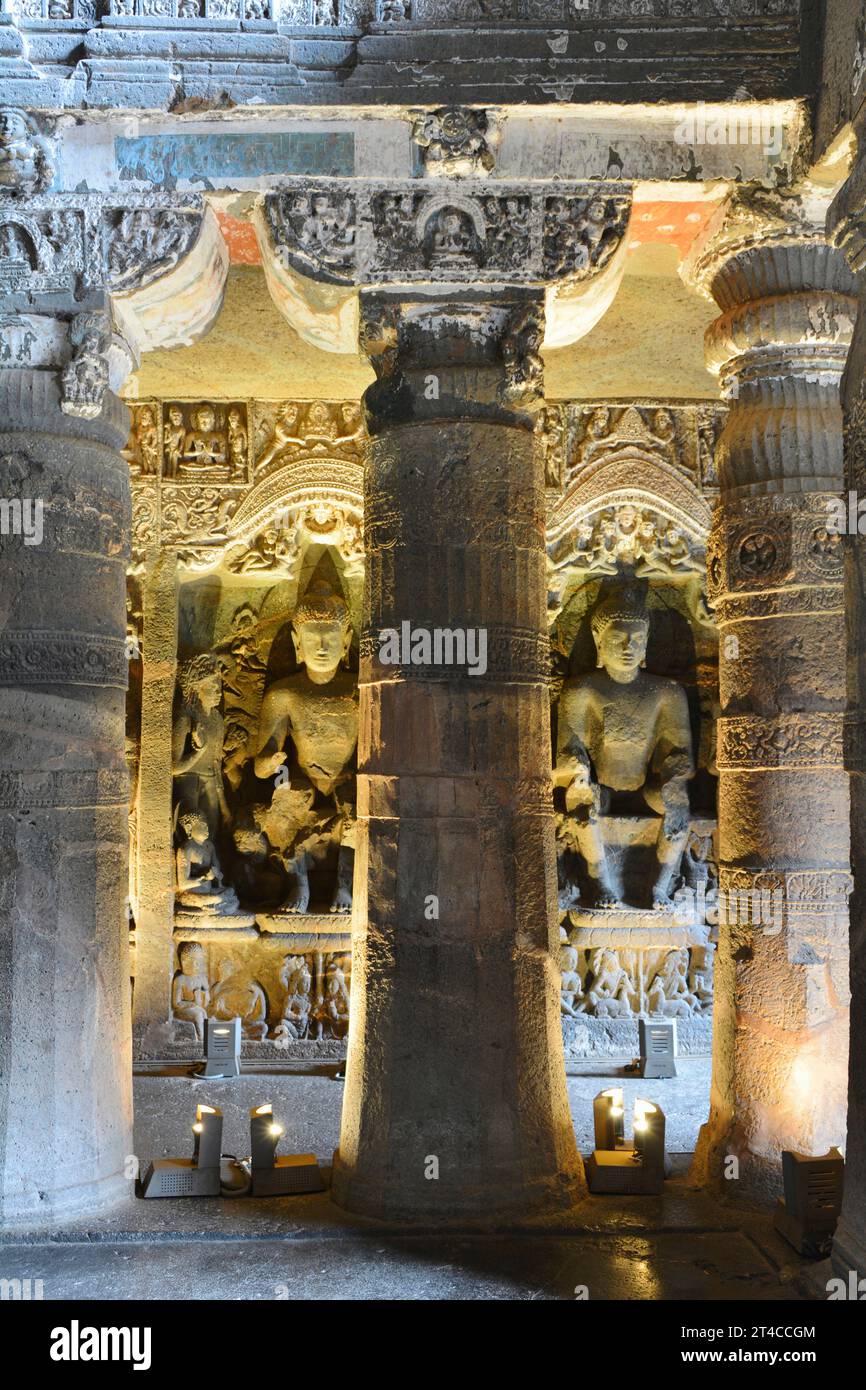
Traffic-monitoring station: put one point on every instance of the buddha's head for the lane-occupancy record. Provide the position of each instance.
(620, 628)
(205, 419)
(196, 827)
(321, 632)
(191, 958)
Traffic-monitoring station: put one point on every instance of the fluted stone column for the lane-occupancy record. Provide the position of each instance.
(847, 226)
(775, 576)
(65, 1054)
(456, 1104)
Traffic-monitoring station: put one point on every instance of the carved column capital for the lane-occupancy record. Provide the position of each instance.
(446, 360)
(90, 282)
(327, 241)
(780, 344)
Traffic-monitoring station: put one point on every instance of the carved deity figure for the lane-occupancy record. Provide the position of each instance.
(174, 435)
(330, 1012)
(235, 996)
(309, 723)
(85, 376)
(613, 990)
(147, 438)
(25, 167)
(624, 731)
(295, 1022)
(450, 238)
(200, 882)
(571, 988)
(197, 743)
(326, 229)
(453, 140)
(285, 434)
(237, 438)
(669, 992)
(701, 974)
(190, 989)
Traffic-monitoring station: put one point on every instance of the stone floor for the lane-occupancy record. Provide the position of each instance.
(679, 1246)
(682, 1245)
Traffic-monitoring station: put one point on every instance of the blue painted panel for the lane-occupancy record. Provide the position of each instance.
(165, 160)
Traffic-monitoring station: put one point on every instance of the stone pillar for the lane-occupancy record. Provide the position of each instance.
(65, 1054)
(154, 945)
(455, 1104)
(775, 577)
(847, 226)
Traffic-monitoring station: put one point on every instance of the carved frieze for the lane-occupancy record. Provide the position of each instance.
(765, 544)
(192, 9)
(249, 483)
(289, 430)
(24, 791)
(751, 742)
(71, 242)
(282, 998)
(141, 243)
(48, 657)
(370, 235)
(44, 246)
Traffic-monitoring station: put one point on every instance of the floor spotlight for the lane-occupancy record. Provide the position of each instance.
(635, 1168)
(198, 1176)
(283, 1176)
(807, 1214)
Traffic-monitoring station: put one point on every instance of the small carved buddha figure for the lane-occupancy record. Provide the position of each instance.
(624, 731)
(237, 997)
(197, 743)
(190, 989)
(200, 883)
(315, 713)
(204, 447)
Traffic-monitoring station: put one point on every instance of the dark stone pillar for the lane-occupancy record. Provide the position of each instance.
(456, 1104)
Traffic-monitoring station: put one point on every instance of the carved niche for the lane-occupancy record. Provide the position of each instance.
(635, 687)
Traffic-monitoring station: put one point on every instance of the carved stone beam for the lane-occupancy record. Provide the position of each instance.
(325, 240)
(775, 578)
(846, 227)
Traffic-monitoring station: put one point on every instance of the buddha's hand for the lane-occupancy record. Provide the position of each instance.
(269, 766)
(581, 791)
